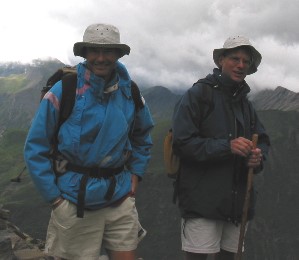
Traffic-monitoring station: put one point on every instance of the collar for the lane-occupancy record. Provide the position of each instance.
(233, 89)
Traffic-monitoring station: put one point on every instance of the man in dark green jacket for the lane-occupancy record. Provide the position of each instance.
(213, 126)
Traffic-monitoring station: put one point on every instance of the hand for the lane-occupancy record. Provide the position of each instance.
(241, 146)
(134, 184)
(255, 158)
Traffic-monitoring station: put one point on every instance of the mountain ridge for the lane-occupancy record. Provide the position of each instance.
(280, 99)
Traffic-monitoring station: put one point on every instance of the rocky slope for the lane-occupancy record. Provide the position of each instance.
(278, 99)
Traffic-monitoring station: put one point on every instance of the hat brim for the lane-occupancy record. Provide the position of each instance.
(79, 46)
(256, 56)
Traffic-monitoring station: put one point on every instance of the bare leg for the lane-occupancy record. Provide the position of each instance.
(225, 255)
(194, 256)
(121, 255)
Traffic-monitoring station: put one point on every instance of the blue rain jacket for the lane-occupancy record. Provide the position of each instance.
(103, 130)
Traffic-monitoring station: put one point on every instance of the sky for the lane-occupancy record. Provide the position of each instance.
(171, 41)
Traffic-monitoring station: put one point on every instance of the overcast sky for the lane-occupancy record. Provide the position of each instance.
(171, 40)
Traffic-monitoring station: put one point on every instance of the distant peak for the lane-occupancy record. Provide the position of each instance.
(161, 88)
(281, 89)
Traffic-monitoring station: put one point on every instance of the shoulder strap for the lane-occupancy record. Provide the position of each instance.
(206, 103)
(251, 116)
(207, 93)
(136, 96)
(69, 85)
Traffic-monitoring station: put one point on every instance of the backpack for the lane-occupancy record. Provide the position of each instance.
(171, 160)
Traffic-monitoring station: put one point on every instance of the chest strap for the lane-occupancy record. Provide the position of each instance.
(93, 172)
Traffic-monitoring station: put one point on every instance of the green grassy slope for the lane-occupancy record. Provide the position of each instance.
(13, 84)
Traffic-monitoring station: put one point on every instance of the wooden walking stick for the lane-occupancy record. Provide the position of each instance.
(246, 204)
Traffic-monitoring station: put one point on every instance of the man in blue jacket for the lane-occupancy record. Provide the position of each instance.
(212, 131)
(104, 148)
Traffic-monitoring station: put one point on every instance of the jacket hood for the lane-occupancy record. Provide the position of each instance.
(210, 79)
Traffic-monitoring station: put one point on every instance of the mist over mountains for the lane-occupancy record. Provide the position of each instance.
(273, 235)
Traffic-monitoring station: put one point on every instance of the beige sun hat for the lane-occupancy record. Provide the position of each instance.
(234, 42)
(101, 35)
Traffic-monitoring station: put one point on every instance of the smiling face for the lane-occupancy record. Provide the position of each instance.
(102, 61)
(235, 63)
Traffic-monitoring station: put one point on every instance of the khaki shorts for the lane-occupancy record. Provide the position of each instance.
(205, 236)
(70, 237)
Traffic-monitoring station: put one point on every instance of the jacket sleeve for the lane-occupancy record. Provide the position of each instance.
(141, 142)
(188, 143)
(38, 145)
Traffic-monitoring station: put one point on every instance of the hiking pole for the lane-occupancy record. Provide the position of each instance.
(246, 204)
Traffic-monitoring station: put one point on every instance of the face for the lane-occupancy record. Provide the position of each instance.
(235, 64)
(102, 61)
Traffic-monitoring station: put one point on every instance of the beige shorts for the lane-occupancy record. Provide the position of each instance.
(205, 236)
(70, 237)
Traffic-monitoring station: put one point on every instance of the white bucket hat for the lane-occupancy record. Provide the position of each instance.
(101, 35)
(234, 42)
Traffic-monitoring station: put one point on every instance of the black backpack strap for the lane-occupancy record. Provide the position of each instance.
(136, 96)
(206, 99)
(69, 86)
(251, 116)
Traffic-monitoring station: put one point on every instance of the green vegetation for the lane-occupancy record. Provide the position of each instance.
(21, 198)
(13, 84)
(11, 158)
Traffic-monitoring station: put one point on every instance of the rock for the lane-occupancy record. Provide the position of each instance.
(3, 225)
(15, 244)
(4, 214)
(6, 252)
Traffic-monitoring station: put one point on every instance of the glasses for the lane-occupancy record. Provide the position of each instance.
(237, 60)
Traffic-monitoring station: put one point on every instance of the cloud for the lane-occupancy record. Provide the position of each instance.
(171, 40)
